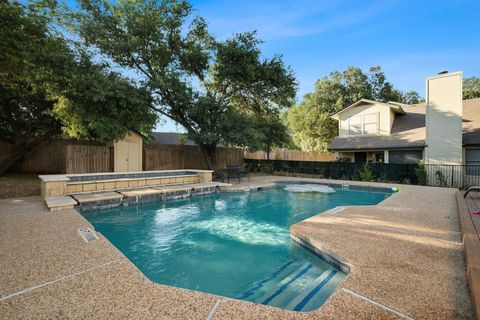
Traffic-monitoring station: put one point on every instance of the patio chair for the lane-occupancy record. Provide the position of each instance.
(234, 172)
(219, 175)
(245, 171)
(473, 188)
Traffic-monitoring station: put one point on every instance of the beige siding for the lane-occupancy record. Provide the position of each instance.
(444, 119)
(384, 115)
(391, 118)
(343, 126)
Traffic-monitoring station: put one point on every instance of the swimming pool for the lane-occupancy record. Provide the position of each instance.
(232, 244)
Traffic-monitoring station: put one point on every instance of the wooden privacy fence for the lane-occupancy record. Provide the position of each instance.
(163, 157)
(170, 157)
(88, 158)
(77, 156)
(64, 156)
(49, 157)
(291, 155)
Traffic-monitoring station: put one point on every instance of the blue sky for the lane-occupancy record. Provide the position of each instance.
(409, 39)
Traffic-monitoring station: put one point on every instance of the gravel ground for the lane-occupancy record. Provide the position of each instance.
(19, 185)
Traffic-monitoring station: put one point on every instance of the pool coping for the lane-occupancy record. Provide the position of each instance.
(320, 250)
(471, 242)
(335, 305)
(323, 250)
(327, 255)
(55, 177)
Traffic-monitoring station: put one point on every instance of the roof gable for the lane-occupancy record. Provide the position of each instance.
(408, 131)
(395, 106)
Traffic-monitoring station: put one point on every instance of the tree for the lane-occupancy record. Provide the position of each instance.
(215, 90)
(100, 105)
(26, 117)
(47, 88)
(471, 88)
(274, 134)
(412, 97)
(310, 121)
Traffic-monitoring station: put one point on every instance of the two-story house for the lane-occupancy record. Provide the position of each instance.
(443, 130)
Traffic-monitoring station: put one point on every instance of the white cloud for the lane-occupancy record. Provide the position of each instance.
(282, 19)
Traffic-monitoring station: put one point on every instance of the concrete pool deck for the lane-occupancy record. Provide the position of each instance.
(405, 254)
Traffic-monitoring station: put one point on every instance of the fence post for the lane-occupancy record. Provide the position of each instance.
(451, 185)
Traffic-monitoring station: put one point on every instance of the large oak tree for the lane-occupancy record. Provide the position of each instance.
(48, 87)
(219, 91)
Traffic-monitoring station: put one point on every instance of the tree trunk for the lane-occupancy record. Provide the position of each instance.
(268, 153)
(19, 151)
(209, 153)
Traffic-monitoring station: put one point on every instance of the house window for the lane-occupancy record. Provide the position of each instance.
(472, 160)
(355, 125)
(405, 156)
(379, 157)
(370, 123)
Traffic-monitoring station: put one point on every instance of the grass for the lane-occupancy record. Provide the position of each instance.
(19, 185)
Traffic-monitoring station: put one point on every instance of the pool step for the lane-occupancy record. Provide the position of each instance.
(258, 289)
(282, 293)
(60, 203)
(310, 293)
(303, 289)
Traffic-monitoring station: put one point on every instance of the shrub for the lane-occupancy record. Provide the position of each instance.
(383, 177)
(442, 182)
(266, 167)
(421, 173)
(366, 173)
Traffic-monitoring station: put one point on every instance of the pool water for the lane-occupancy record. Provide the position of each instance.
(232, 244)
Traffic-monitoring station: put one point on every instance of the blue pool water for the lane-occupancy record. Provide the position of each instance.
(232, 244)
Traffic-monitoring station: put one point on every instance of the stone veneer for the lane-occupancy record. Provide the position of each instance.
(61, 185)
(147, 197)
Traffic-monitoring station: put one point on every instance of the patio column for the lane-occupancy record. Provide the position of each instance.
(205, 176)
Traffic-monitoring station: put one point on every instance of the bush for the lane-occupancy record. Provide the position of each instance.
(383, 177)
(265, 167)
(366, 173)
(442, 182)
(421, 173)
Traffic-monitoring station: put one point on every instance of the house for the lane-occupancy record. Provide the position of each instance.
(174, 138)
(442, 130)
(171, 138)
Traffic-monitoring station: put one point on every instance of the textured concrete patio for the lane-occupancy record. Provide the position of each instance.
(470, 224)
(405, 254)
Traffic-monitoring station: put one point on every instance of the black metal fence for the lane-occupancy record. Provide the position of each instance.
(454, 176)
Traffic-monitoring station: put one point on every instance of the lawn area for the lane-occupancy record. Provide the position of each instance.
(19, 185)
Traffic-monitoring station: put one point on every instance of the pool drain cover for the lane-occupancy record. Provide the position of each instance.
(87, 234)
